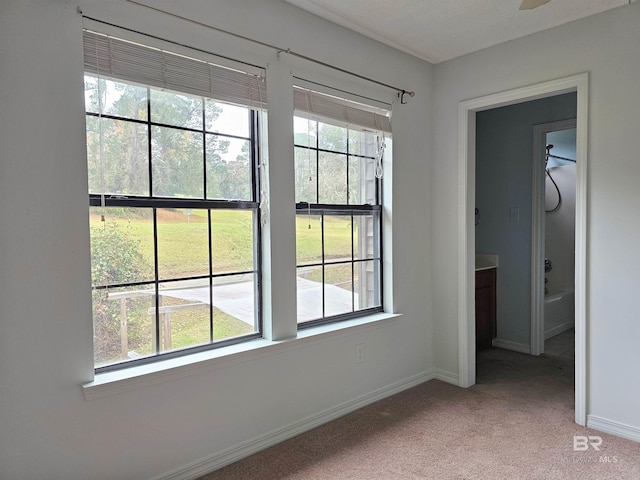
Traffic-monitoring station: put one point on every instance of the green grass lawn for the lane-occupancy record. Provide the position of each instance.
(191, 327)
(183, 248)
(183, 251)
(337, 238)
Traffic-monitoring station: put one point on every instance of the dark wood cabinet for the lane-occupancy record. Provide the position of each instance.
(485, 308)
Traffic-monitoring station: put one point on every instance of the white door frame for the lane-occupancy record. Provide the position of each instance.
(538, 230)
(466, 231)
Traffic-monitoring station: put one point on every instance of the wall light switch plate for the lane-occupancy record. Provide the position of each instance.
(514, 215)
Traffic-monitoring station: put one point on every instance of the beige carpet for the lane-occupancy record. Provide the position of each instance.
(516, 423)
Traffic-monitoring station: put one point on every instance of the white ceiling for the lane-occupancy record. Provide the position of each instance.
(439, 30)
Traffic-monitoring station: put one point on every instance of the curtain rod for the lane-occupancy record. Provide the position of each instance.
(401, 91)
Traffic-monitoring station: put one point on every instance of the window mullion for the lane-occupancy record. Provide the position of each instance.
(324, 304)
(149, 143)
(317, 151)
(253, 156)
(353, 266)
(279, 247)
(156, 327)
(210, 242)
(156, 298)
(347, 167)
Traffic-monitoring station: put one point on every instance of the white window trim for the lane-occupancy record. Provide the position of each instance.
(141, 376)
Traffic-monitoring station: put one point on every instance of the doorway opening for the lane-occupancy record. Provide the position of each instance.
(466, 215)
(553, 238)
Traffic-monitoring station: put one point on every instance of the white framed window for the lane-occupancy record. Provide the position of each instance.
(339, 147)
(174, 192)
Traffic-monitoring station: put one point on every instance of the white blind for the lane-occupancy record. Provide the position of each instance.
(125, 60)
(344, 111)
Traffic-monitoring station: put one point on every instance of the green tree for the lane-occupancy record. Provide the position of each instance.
(177, 155)
(326, 180)
(305, 163)
(217, 167)
(118, 153)
(116, 258)
(116, 149)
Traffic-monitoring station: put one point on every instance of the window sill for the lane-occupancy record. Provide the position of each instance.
(121, 381)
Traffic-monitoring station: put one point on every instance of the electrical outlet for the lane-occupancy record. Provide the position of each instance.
(514, 215)
(360, 353)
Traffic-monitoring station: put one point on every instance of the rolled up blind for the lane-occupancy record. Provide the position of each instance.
(113, 57)
(308, 102)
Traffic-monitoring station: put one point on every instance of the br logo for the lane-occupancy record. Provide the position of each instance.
(582, 443)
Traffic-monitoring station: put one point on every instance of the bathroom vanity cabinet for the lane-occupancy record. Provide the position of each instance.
(485, 307)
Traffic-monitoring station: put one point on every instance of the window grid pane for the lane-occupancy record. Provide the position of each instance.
(176, 163)
(338, 222)
(117, 156)
(172, 270)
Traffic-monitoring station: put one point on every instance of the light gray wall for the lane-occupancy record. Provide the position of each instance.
(504, 171)
(47, 428)
(605, 46)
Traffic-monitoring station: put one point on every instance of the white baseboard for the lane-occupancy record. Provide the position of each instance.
(614, 428)
(508, 345)
(558, 329)
(218, 460)
(448, 377)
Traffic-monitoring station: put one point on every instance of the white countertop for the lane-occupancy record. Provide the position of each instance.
(486, 261)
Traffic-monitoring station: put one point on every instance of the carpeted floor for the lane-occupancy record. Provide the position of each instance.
(515, 423)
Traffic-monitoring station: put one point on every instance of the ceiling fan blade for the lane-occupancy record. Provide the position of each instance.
(531, 4)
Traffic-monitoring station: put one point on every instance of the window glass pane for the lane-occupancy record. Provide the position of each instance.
(184, 314)
(228, 168)
(183, 243)
(305, 132)
(117, 98)
(362, 181)
(234, 306)
(123, 323)
(308, 239)
(195, 270)
(331, 137)
(227, 119)
(123, 166)
(367, 284)
(306, 175)
(177, 157)
(232, 240)
(362, 143)
(366, 237)
(121, 246)
(340, 170)
(176, 109)
(309, 293)
(332, 178)
(337, 237)
(338, 288)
